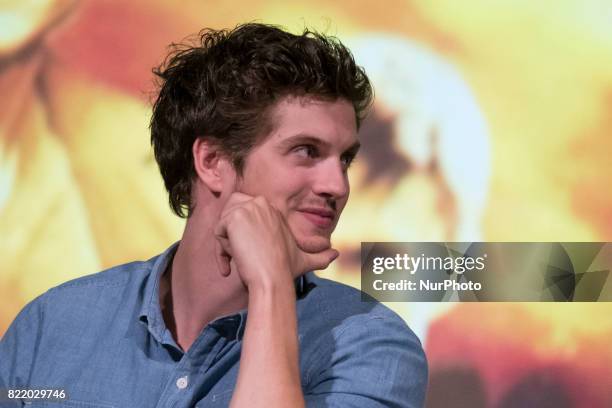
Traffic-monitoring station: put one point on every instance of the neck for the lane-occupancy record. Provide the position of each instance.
(193, 292)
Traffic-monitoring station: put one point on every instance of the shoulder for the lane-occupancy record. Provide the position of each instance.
(115, 276)
(99, 286)
(88, 298)
(99, 294)
(87, 311)
(362, 352)
(344, 306)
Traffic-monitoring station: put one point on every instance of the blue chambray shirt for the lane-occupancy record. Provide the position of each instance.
(102, 338)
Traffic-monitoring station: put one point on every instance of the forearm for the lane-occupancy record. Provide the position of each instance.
(269, 373)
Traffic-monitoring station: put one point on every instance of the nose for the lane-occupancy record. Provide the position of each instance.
(331, 180)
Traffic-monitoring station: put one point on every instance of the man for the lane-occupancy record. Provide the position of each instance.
(253, 130)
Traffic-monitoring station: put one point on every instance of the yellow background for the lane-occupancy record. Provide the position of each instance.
(80, 191)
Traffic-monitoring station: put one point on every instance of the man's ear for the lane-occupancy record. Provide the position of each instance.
(210, 164)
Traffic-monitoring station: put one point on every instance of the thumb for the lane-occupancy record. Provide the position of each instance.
(318, 261)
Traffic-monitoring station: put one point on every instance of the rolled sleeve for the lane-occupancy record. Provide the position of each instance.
(378, 362)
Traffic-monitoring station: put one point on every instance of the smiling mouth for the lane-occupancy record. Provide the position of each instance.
(323, 219)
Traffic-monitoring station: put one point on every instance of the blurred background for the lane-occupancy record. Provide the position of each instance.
(492, 121)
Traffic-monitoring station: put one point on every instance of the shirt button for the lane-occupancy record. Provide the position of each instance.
(182, 383)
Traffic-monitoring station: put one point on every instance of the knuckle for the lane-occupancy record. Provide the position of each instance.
(235, 196)
(240, 213)
(260, 200)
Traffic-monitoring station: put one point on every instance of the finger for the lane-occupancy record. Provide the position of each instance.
(237, 195)
(223, 259)
(235, 200)
(223, 251)
(221, 229)
(318, 261)
(226, 248)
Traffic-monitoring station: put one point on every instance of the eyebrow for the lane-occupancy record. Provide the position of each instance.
(305, 138)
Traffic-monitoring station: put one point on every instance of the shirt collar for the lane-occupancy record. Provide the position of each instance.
(150, 310)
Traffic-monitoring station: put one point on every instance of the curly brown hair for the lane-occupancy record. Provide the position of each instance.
(222, 85)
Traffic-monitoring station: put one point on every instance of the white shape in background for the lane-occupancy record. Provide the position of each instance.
(429, 97)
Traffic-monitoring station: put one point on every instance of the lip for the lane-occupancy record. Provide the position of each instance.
(321, 217)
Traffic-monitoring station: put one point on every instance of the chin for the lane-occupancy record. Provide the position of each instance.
(313, 243)
(308, 237)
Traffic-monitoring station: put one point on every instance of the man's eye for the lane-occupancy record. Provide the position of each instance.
(348, 160)
(306, 151)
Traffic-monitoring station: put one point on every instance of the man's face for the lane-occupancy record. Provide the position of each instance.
(300, 167)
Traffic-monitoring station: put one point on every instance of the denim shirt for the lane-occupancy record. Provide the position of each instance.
(103, 340)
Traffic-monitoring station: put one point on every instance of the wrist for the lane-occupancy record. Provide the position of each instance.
(271, 285)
